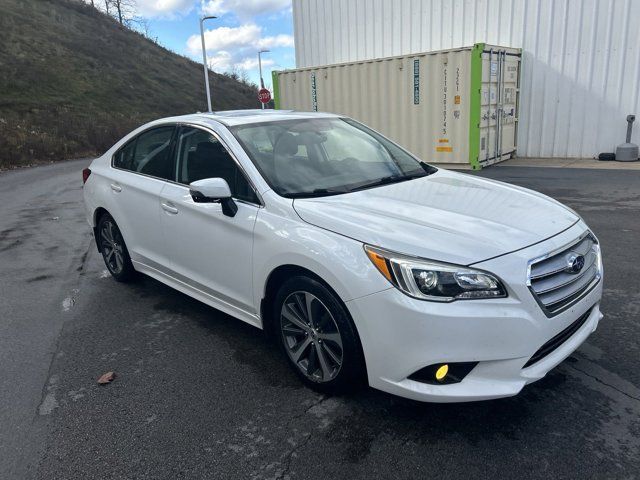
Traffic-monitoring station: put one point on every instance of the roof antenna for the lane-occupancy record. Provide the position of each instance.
(204, 61)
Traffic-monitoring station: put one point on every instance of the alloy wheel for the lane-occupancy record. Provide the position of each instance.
(311, 336)
(112, 247)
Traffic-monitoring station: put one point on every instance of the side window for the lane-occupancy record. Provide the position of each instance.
(201, 155)
(124, 157)
(148, 153)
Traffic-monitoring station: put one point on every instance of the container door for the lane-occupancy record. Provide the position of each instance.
(499, 105)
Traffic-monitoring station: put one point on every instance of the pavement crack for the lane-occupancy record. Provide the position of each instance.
(303, 443)
(637, 399)
(290, 454)
(315, 404)
(322, 398)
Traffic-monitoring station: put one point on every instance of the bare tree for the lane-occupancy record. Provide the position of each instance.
(143, 25)
(234, 73)
(140, 25)
(118, 5)
(124, 9)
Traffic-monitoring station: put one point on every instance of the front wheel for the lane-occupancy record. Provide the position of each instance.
(114, 250)
(318, 337)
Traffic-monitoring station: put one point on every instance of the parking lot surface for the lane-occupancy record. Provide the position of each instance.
(201, 395)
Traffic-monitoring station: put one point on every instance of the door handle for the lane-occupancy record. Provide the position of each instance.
(167, 207)
(116, 188)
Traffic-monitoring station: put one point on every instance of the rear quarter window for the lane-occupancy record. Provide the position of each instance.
(124, 157)
(149, 153)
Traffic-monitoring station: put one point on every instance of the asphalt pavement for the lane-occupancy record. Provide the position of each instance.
(199, 394)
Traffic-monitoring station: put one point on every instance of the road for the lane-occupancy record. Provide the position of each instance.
(201, 395)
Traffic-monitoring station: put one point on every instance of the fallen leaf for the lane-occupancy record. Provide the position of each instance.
(106, 378)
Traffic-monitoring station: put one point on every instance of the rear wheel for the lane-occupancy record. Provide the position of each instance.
(317, 335)
(114, 250)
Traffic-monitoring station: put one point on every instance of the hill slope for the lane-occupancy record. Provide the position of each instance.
(72, 81)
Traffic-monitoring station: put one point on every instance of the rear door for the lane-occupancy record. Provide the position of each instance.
(209, 250)
(140, 170)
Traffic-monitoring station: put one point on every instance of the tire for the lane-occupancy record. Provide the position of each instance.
(325, 352)
(114, 250)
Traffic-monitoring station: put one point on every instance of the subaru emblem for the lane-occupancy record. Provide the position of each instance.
(575, 263)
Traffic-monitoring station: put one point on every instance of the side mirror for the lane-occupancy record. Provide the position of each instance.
(212, 190)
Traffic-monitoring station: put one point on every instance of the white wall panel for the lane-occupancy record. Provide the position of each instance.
(581, 58)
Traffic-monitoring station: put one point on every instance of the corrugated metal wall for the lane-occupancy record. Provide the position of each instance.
(581, 58)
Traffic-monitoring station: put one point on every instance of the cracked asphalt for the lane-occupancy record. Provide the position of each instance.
(201, 395)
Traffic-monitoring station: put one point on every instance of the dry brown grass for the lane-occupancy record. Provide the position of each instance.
(72, 82)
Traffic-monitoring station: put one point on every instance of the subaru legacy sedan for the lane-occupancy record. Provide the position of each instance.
(365, 264)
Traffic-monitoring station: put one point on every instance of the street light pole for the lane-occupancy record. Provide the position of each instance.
(260, 67)
(204, 61)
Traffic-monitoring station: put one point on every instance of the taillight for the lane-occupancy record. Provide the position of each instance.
(85, 175)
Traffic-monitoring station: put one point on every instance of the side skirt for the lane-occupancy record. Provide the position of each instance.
(212, 301)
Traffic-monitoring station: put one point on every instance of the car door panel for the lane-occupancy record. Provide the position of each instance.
(209, 250)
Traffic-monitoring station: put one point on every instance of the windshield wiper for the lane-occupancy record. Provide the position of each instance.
(376, 183)
(318, 192)
(429, 169)
(321, 192)
(386, 180)
(328, 191)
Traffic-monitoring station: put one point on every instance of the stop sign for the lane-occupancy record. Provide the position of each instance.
(264, 95)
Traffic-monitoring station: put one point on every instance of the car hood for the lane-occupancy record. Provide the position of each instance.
(446, 216)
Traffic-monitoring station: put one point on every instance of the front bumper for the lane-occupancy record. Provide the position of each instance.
(400, 335)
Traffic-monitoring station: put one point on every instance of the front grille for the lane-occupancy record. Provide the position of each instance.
(558, 340)
(555, 285)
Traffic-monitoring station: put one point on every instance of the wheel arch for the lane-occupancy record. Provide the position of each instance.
(276, 278)
(97, 215)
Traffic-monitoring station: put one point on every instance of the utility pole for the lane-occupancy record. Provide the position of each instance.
(260, 67)
(204, 61)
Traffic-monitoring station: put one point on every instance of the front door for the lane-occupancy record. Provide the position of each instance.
(209, 250)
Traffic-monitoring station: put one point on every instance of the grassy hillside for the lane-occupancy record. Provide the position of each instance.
(72, 82)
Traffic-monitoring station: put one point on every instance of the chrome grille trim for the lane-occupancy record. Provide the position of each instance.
(565, 278)
(553, 287)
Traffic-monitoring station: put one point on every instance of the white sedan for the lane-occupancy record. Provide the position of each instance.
(364, 263)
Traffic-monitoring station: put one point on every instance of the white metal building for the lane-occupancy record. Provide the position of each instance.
(580, 68)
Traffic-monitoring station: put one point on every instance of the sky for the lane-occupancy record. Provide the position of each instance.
(243, 27)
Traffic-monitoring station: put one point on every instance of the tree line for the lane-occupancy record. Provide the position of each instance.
(124, 11)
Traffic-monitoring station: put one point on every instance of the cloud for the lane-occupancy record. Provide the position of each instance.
(222, 38)
(214, 7)
(224, 61)
(231, 48)
(244, 9)
(251, 63)
(163, 8)
(281, 40)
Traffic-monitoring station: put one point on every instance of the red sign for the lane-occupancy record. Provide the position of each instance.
(264, 95)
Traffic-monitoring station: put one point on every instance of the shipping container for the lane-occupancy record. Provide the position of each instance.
(456, 107)
(580, 74)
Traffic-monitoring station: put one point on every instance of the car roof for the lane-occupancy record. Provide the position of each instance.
(243, 117)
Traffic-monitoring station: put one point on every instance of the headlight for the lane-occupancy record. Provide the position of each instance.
(434, 281)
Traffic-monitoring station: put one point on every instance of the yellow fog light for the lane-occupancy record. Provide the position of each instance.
(442, 372)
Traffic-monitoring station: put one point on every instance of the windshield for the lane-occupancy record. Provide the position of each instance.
(325, 156)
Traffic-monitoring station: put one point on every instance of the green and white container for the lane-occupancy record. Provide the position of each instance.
(455, 107)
